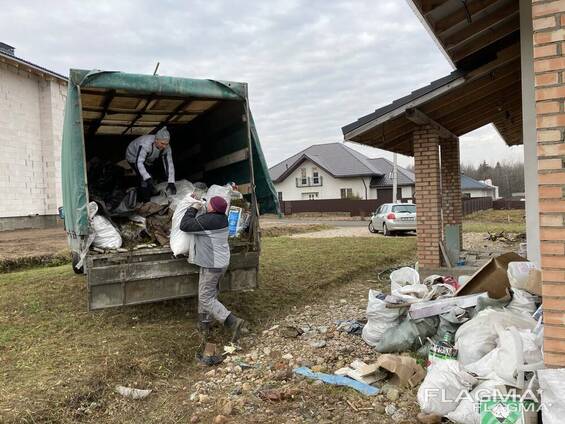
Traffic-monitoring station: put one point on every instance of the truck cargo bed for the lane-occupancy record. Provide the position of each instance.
(149, 275)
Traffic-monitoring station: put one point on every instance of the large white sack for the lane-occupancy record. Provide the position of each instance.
(553, 393)
(522, 302)
(105, 234)
(184, 188)
(478, 336)
(518, 352)
(379, 319)
(441, 390)
(518, 273)
(403, 277)
(467, 412)
(181, 243)
(221, 191)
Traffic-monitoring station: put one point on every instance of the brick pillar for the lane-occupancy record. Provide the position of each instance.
(451, 184)
(428, 198)
(549, 68)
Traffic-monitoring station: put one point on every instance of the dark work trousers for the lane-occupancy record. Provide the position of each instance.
(143, 193)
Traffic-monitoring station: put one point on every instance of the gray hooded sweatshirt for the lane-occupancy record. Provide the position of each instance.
(142, 152)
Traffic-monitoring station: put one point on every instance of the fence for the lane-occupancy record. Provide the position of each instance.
(508, 204)
(475, 204)
(365, 207)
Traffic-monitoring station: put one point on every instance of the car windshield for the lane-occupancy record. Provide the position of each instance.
(404, 208)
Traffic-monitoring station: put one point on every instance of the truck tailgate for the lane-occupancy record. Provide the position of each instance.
(151, 275)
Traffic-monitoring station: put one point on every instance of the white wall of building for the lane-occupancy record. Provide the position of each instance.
(31, 122)
(330, 187)
(478, 192)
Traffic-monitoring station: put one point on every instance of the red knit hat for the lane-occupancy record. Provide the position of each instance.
(218, 204)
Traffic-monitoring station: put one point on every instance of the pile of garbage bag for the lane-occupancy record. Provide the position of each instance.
(478, 349)
(119, 222)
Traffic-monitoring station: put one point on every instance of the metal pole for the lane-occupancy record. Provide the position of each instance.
(394, 178)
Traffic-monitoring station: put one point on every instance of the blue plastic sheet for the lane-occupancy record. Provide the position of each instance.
(338, 380)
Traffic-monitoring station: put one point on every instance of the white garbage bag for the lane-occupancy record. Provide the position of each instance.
(523, 302)
(184, 188)
(402, 277)
(518, 273)
(379, 318)
(518, 352)
(478, 336)
(440, 392)
(105, 234)
(467, 412)
(553, 393)
(221, 191)
(181, 242)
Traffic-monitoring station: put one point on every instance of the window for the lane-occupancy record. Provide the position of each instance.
(280, 196)
(404, 208)
(303, 178)
(310, 196)
(315, 176)
(346, 193)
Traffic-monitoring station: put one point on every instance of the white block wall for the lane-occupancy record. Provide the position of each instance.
(330, 188)
(31, 122)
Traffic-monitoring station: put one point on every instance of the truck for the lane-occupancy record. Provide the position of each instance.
(213, 139)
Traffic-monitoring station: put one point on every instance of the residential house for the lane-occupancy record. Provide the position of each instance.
(336, 171)
(32, 101)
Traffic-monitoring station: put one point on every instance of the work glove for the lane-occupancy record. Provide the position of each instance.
(171, 189)
(148, 184)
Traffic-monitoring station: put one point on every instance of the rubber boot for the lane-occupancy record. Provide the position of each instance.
(235, 324)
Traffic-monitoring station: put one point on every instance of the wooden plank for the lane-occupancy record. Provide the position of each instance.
(420, 118)
(231, 158)
(480, 25)
(426, 6)
(486, 38)
(461, 14)
(106, 103)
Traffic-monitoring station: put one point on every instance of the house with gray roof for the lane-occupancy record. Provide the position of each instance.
(336, 171)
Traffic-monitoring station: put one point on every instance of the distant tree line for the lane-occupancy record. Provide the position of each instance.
(508, 176)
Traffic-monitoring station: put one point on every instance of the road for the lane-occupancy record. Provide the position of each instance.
(274, 222)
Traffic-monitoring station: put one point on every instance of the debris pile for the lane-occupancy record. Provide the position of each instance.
(119, 222)
(481, 338)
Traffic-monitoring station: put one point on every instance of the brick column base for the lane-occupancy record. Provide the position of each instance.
(428, 196)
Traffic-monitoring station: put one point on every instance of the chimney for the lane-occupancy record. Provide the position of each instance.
(6, 49)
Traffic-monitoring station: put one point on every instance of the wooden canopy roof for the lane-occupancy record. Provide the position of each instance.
(481, 37)
(117, 112)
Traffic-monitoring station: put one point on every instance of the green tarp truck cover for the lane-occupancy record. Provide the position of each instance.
(73, 160)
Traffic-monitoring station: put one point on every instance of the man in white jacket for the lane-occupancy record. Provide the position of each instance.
(143, 152)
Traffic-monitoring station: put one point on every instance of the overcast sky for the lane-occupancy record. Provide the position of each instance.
(312, 66)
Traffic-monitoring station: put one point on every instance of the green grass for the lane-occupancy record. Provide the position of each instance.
(288, 230)
(511, 221)
(56, 357)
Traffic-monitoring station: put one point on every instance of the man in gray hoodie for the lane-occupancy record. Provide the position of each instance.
(142, 153)
(212, 254)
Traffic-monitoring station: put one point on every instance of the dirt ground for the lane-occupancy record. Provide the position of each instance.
(61, 363)
(31, 242)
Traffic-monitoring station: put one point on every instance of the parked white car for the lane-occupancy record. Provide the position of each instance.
(393, 217)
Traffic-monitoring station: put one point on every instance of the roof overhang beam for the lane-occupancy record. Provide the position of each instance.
(420, 118)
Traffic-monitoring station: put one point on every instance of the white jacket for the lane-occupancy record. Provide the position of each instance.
(142, 152)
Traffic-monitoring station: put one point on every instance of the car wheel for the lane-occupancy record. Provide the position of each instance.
(372, 228)
(75, 260)
(386, 232)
